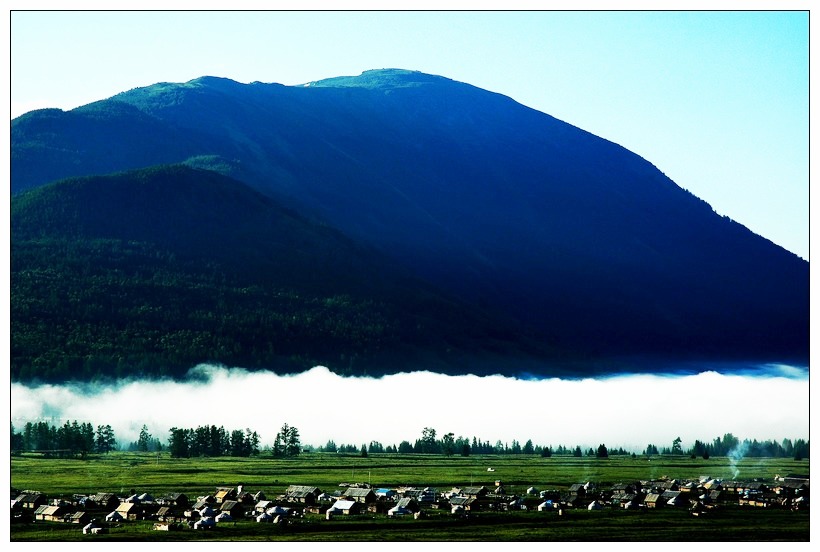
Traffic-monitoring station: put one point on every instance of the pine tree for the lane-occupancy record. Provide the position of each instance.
(105, 439)
(144, 439)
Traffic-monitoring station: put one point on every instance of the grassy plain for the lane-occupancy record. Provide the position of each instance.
(159, 474)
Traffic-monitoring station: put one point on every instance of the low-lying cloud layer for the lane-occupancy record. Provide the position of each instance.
(625, 411)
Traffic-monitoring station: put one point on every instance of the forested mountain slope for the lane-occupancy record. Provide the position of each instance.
(589, 247)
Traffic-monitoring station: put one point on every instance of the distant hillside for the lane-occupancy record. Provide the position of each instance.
(152, 271)
(586, 245)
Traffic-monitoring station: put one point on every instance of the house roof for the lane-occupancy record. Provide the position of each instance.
(461, 500)
(301, 493)
(473, 490)
(794, 484)
(302, 489)
(230, 505)
(343, 504)
(126, 507)
(353, 491)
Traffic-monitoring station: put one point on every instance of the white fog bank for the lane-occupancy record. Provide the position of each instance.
(626, 411)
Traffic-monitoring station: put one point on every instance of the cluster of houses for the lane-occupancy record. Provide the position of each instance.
(95, 513)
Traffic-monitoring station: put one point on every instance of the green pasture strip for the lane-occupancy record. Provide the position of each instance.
(121, 472)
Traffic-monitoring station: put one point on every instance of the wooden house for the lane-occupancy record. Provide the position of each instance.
(303, 494)
(380, 506)
(674, 498)
(80, 518)
(796, 478)
(364, 496)
(179, 500)
(623, 488)
(425, 495)
(103, 501)
(791, 488)
(653, 500)
(755, 501)
(474, 492)
(468, 503)
(233, 507)
(578, 489)
(130, 510)
(224, 493)
(263, 505)
(165, 526)
(408, 504)
(732, 486)
(629, 501)
(688, 487)
(50, 513)
(246, 499)
(165, 513)
(715, 496)
(346, 507)
(31, 501)
(670, 485)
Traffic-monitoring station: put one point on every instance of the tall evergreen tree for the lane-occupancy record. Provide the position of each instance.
(105, 439)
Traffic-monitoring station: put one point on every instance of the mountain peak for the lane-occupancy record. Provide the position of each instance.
(381, 78)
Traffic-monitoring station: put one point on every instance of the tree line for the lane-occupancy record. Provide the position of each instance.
(729, 445)
(74, 439)
(448, 444)
(69, 440)
(212, 441)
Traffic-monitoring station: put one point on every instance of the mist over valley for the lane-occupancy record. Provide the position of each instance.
(620, 411)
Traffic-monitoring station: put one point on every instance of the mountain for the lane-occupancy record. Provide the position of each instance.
(151, 271)
(590, 249)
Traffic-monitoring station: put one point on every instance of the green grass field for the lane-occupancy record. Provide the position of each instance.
(159, 474)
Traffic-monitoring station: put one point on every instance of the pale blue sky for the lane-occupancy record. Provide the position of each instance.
(719, 101)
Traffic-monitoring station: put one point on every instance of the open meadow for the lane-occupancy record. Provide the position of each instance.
(159, 475)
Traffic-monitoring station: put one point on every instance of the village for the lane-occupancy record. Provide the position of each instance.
(104, 512)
